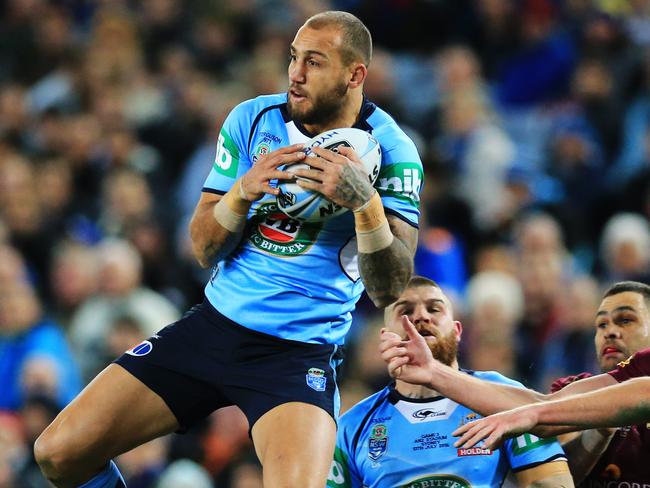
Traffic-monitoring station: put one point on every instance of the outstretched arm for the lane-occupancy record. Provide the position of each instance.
(617, 405)
(411, 361)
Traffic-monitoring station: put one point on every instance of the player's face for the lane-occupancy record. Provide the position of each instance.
(429, 310)
(318, 81)
(622, 328)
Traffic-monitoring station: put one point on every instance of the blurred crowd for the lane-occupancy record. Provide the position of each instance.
(532, 118)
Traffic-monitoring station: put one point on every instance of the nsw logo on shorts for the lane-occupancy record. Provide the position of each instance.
(316, 379)
(141, 349)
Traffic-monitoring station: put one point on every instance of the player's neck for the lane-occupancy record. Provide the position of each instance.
(347, 118)
(409, 390)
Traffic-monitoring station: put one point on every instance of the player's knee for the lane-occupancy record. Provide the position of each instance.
(54, 456)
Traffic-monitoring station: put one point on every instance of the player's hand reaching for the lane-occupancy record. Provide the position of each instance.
(256, 182)
(408, 360)
(339, 176)
(497, 428)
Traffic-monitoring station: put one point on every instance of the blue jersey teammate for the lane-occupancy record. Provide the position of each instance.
(278, 304)
(402, 435)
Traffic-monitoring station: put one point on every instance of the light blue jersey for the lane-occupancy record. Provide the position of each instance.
(292, 280)
(388, 440)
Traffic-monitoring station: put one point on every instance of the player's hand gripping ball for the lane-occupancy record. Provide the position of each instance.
(311, 206)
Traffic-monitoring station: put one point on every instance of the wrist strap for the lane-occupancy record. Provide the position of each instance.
(370, 215)
(231, 211)
(373, 231)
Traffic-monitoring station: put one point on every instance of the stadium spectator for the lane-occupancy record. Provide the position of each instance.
(120, 293)
(36, 357)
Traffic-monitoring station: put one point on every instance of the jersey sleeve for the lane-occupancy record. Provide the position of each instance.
(401, 176)
(527, 451)
(231, 156)
(343, 472)
(635, 366)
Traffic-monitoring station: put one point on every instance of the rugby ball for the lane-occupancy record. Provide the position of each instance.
(311, 206)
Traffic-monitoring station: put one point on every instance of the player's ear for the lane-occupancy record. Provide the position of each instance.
(458, 326)
(358, 73)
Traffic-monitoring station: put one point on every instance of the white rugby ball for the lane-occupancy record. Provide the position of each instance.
(311, 206)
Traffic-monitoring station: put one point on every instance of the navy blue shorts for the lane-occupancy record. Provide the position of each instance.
(206, 361)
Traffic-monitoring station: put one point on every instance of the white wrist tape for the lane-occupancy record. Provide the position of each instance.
(374, 240)
(373, 231)
(231, 211)
(228, 219)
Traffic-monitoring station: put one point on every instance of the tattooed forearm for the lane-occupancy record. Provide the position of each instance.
(385, 273)
(354, 187)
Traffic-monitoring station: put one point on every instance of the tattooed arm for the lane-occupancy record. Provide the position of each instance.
(342, 178)
(386, 272)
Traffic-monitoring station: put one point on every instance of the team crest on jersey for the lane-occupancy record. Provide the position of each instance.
(446, 480)
(378, 441)
(262, 149)
(141, 349)
(275, 232)
(316, 379)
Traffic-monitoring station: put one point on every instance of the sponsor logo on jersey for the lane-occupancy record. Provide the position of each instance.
(316, 379)
(141, 349)
(378, 441)
(425, 413)
(625, 362)
(274, 232)
(474, 451)
(527, 442)
(226, 160)
(402, 181)
(338, 475)
(438, 480)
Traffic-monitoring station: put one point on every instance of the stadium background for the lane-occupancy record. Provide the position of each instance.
(532, 118)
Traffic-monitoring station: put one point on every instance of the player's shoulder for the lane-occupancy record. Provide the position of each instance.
(495, 377)
(355, 415)
(254, 106)
(387, 131)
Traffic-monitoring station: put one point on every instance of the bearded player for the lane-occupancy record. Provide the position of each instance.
(279, 302)
(402, 435)
(618, 398)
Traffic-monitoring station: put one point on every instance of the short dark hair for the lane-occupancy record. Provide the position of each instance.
(631, 286)
(357, 41)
